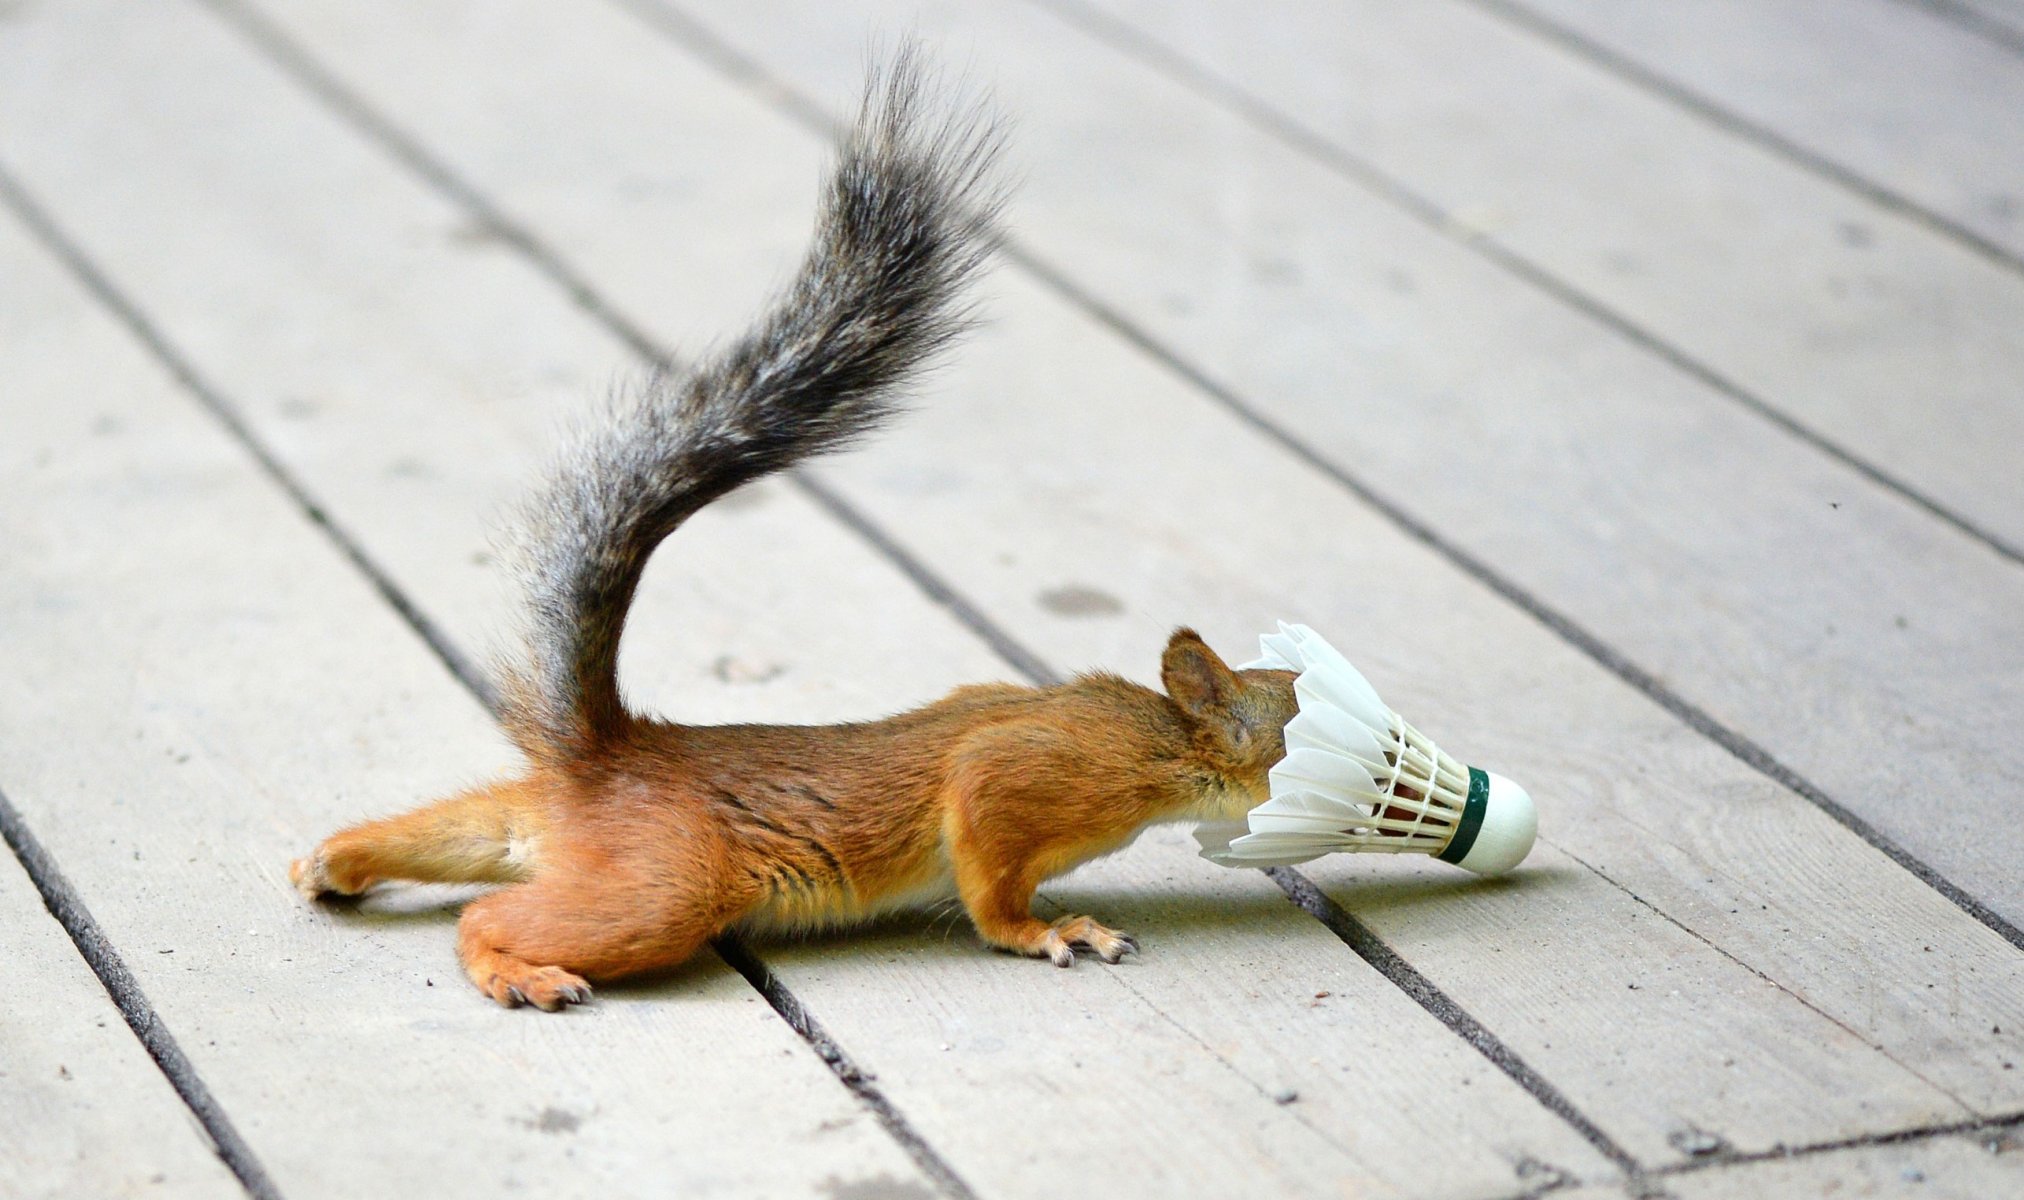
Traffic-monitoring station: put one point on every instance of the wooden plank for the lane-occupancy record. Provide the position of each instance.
(1972, 1166)
(1389, 349)
(1943, 1169)
(329, 254)
(215, 688)
(1232, 981)
(1903, 99)
(88, 1114)
(1750, 1024)
(1872, 331)
(2000, 20)
(1055, 108)
(1618, 968)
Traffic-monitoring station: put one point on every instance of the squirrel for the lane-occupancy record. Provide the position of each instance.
(628, 843)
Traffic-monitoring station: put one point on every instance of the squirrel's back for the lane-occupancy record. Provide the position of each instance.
(907, 219)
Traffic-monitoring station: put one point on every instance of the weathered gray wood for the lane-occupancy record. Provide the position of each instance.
(2004, 19)
(1232, 986)
(1953, 672)
(1633, 1001)
(1886, 338)
(1954, 1168)
(87, 1112)
(1899, 97)
(1706, 545)
(1974, 1166)
(325, 274)
(199, 688)
(1084, 464)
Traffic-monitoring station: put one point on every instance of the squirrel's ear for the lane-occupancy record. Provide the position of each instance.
(1201, 683)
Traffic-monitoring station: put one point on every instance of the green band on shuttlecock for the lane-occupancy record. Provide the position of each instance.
(1472, 819)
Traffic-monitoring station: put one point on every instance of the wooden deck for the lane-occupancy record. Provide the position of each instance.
(1653, 374)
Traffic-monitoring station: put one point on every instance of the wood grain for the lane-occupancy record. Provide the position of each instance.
(1708, 548)
(1864, 326)
(1047, 449)
(1972, 1166)
(333, 253)
(2000, 20)
(88, 1113)
(1951, 1168)
(202, 688)
(1896, 98)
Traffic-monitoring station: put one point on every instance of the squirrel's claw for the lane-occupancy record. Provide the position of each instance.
(1069, 932)
(550, 989)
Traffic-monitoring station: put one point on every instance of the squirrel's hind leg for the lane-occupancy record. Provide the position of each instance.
(486, 835)
(599, 913)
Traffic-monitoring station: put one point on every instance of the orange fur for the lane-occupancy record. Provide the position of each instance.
(631, 842)
(631, 858)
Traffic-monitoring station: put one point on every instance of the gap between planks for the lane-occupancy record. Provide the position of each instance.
(64, 904)
(1639, 1180)
(1740, 126)
(587, 298)
(782, 1000)
(706, 46)
(784, 1003)
(1434, 216)
(694, 37)
(69, 909)
(1968, 17)
(1899, 1137)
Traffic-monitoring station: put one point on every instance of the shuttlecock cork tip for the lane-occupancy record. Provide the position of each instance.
(1503, 836)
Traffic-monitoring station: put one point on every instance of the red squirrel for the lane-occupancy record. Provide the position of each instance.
(627, 842)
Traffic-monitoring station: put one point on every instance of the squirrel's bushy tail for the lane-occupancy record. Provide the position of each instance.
(908, 217)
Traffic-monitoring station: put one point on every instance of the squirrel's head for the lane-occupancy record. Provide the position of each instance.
(1238, 717)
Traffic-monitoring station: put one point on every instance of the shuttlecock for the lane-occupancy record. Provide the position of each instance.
(1357, 778)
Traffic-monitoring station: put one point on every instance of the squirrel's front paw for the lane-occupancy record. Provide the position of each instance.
(1069, 932)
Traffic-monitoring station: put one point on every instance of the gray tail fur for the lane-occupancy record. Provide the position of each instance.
(908, 217)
